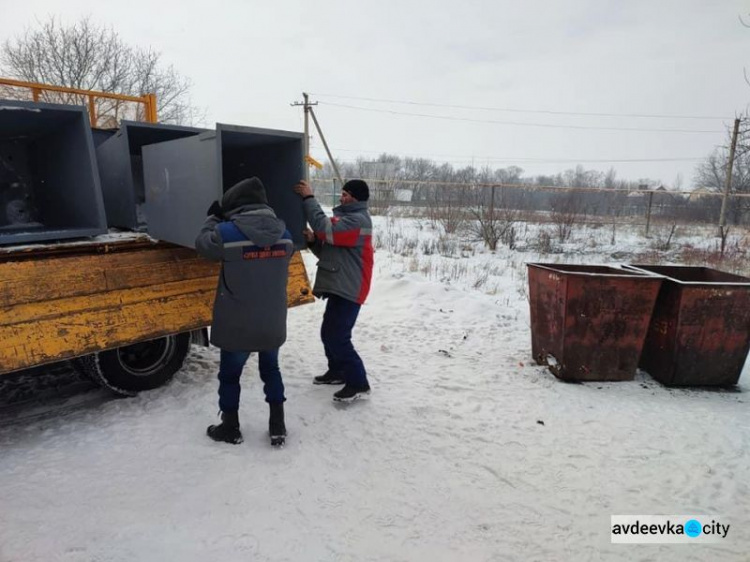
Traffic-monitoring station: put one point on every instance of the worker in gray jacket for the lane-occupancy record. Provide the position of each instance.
(343, 243)
(250, 307)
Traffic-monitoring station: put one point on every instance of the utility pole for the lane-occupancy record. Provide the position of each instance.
(325, 145)
(309, 112)
(728, 185)
(307, 135)
(306, 141)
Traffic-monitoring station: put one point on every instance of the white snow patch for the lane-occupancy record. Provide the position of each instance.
(447, 461)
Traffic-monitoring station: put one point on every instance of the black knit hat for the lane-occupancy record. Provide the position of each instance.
(247, 192)
(357, 189)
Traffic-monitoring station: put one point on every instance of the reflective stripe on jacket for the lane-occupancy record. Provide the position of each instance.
(344, 246)
(250, 306)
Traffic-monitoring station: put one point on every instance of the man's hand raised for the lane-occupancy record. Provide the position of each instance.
(303, 189)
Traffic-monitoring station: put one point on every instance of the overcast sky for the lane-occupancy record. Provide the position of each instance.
(248, 60)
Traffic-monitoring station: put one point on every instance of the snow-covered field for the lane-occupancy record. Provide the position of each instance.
(466, 451)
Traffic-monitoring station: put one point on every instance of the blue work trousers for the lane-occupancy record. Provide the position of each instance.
(230, 370)
(336, 334)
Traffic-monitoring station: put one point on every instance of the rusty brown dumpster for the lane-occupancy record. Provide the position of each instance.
(588, 322)
(700, 329)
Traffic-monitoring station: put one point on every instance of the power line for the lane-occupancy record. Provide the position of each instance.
(534, 111)
(521, 124)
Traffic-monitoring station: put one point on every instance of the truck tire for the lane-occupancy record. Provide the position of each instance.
(142, 366)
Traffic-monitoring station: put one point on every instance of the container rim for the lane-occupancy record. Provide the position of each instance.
(626, 273)
(638, 267)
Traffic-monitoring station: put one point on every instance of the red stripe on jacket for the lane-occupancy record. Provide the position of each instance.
(347, 238)
(368, 261)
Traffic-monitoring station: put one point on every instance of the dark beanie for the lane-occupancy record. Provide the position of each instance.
(357, 189)
(247, 192)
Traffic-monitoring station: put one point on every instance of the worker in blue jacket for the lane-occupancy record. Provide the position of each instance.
(250, 307)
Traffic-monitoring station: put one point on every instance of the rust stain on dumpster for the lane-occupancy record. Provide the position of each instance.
(700, 330)
(589, 323)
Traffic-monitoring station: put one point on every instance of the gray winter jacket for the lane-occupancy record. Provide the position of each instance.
(251, 300)
(344, 246)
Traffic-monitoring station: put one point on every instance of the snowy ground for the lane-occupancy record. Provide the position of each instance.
(466, 451)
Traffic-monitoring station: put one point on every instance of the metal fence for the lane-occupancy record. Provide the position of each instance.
(538, 203)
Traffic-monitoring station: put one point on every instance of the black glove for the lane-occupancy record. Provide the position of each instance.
(216, 210)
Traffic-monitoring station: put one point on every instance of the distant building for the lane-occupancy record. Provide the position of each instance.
(403, 195)
(699, 193)
(643, 189)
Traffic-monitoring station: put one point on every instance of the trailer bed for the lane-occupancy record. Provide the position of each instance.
(59, 301)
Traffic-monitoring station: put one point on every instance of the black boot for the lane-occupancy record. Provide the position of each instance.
(351, 393)
(228, 430)
(276, 426)
(330, 378)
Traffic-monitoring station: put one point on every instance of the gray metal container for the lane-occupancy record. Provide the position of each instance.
(101, 135)
(184, 176)
(121, 169)
(49, 184)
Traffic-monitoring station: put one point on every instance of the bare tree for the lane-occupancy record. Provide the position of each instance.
(567, 211)
(580, 177)
(446, 207)
(494, 219)
(664, 237)
(444, 190)
(418, 170)
(383, 175)
(712, 173)
(88, 56)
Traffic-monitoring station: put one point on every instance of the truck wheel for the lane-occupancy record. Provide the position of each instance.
(141, 366)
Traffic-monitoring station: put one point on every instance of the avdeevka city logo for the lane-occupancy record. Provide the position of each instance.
(693, 528)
